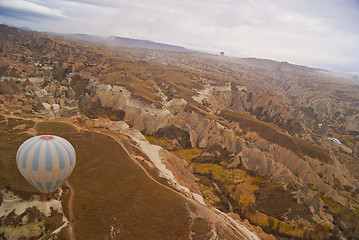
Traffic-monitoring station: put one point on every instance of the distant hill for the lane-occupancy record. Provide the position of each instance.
(128, 42)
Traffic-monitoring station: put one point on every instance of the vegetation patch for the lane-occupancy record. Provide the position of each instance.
(220, 173)
(280, 229)
(159, 141)
(346, 219)
(208, 194)
(188, 154)
(262, 203)
(236, 185)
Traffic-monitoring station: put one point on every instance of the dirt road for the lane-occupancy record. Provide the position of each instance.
(70, 229)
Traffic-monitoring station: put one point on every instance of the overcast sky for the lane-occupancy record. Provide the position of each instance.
(316, 33)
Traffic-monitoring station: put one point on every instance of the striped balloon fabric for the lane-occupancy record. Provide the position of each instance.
(46, 161)
(335, 140)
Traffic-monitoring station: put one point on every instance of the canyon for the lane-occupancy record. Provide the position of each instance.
(248, 137)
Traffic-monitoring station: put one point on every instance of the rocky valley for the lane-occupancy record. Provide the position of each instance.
(177, 145)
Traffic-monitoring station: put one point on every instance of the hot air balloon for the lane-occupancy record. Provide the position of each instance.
(335, 140)
(46, 161)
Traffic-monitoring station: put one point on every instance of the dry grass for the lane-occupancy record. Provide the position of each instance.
(54, 128)
(10, 141)
(110, 190)
(141, 78)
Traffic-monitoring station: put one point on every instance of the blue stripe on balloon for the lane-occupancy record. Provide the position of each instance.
(27, 142)
(48, 186)
(56, 185)
(67, 147)
(60, 156)
(27, 150)
(48, 157)
(40, 186)
(31, 182)
(35, 158)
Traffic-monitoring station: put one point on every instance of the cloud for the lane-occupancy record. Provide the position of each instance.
(22, 9)
(317, 33)
(103, 3)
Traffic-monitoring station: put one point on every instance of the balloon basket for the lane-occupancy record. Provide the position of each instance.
(47, 195)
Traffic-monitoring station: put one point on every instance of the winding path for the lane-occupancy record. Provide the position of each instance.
(211, 215)
(70, 229)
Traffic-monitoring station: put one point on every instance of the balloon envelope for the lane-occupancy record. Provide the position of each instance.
(335, 140)
(46, 161)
